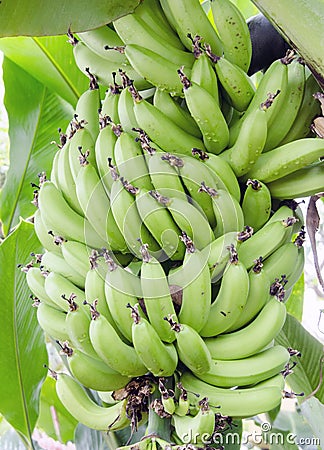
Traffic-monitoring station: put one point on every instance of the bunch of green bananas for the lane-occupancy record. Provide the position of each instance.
(130, 285)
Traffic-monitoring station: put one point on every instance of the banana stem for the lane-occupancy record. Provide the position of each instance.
(158, 426)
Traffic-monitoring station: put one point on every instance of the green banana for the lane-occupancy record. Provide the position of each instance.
(126, 110)
(271, 85)
(162, 130)
(207, 114)
(180, 116)
(308, 110)
(188, 17)
(78, 322)
(82, 147)
(192, 279)
(86, 411)
(63, 220)
(249, 144)
(101, 41)
(228, 212)
(115, 239)
(256, 204)
(190, 346)
(202, 72)
(133, 30)
(57, 286)
(66, 182)
(230, 300)
(159, 358)
(301, 183)
(182, 408)
(218, 253)
(77, 256)
(36, 282)
(287, 114)
(53, 262)
(52, 321)
(128, 219)
(242, 403)
(233, 31)
(152, 14)
(93, 199)
(111, 349)
(44, 237)
(199, 428)
(252, 338)
(239, 88)
(156, 294)
(121, 288)
(258, 295)
(95, 290)
(102, 68)
(223, 172)
(164, 175)
(265, 241)
(151, 206)
(130, 161)
(155, 68)
(109, 107)
(93, 373)
(247, 371)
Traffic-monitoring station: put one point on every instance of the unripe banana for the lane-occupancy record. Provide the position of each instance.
(44, 237)
(52, 321)
(188, 17)
(133, 30)
(94, 373)
(56, 263)
(247, 371)
(77, 256)
(86, 411)
(236, 83)
(162, 130)
(301, 183)
(126, 111)
(249, 144)
(245, 402)
(109, 107)
(130, 161)
(160, 359)
(164, 175)
(192, 280)
(265, 241)
(256, 204)
(36, 283)
(190, 346)
(207, 114)
(82, 147)
(156, 294)
(202, 71)
(104, 149)
(63, 220)
(101, 41)
(112, 350)
(230, 300)
(233, 31)
(254, 337)
(171, 108)
(286, 159)
(200, 427)
(259, 294)
(151, 206)
(218, 254)
(95, 290)
(57, 285)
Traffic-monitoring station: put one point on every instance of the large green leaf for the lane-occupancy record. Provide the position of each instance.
(48, 17)
(313, 411)
(50, 60)
(22, 345)
(306, 375)
(34, 114)
(50, 404)
(301, 23)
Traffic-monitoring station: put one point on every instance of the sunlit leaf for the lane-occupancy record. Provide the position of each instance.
(48, 17)
(22, 345)
(35, 114)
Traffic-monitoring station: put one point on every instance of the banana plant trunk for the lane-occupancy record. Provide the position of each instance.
(301, 23)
